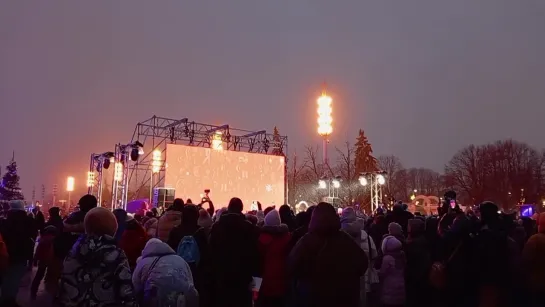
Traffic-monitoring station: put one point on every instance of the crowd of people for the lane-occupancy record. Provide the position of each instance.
(196, 257)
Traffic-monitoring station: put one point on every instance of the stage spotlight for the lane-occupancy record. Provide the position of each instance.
(363, 180)
(322, 184)
(381, 180)
(135, 153)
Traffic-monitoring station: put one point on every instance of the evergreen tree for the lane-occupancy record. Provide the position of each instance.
(277, 143)
(9, 187)
(364, 160)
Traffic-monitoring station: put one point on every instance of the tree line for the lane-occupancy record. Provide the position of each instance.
(506, 172)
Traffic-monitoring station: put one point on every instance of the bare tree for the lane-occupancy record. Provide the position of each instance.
(506, 172)
(345, 168)
(396, 179)
(295, 179)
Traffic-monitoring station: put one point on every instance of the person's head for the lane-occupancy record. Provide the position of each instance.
(252, 219)
(391, 245)
(177, 205)
(395, 229)
(285, 212)
(16, 205)
(190, 215)
(155, 212)
(348, 215)
(302, 219)
(188, 201)
(87, 202)
(54, 212)
(324, 220)
(268, 209)
(235, 205)
(100, 221)
(204, 219)
(273, 218)
(150, 214)
(489, 212)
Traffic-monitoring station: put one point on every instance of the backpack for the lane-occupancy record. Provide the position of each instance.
(188, 249)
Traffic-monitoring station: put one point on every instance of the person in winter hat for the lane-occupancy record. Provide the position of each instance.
(273, 247)
(354, 227)
(392, 273)
(162, 278)
(314, 263)
(18, 231)
(94, 259)
(133, 240)
(170, 219)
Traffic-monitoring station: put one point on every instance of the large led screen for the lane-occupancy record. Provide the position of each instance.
(249, 176)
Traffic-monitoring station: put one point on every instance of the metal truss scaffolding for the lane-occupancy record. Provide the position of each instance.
(155, 133)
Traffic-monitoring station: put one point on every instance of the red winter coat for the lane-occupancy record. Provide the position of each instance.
(274, 247)
(133, 241)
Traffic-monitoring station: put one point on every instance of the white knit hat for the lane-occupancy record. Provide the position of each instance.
(272, 218)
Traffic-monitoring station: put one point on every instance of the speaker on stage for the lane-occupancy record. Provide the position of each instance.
(163, 197)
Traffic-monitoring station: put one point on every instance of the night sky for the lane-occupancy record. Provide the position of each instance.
(422, 77)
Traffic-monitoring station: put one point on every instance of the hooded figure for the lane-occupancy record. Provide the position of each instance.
(162, 278)
(314, 263)
(96, 272)
(188, 226)
(392, 273)
(273, 249)
(133, 240)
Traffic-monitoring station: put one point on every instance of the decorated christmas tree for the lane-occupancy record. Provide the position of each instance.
(9, 186)
(364, 160)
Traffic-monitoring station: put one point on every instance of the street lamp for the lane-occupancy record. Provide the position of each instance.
(363, 180)
(322, 184)
(69, 187)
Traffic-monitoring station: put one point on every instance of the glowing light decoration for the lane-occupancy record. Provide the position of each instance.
(118, 171)
(324, 115)
(217, 143)
(90, 179)
(322, 184)
(156, 161)
(336, 183)
(70, 181)
(381, 180)
(363, 181)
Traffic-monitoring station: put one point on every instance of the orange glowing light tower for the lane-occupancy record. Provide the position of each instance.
(325, 120)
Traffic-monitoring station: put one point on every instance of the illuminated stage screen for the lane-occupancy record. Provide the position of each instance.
(249, 176)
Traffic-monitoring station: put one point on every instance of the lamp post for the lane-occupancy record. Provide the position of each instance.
(324, 121)
(69, 188)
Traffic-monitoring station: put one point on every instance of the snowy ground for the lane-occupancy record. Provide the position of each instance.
(23, 298)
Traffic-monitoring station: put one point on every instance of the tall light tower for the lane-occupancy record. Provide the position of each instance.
(324, 121)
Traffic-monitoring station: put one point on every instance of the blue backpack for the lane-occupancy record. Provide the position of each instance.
(188, 249)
